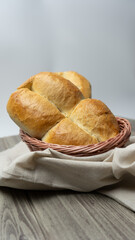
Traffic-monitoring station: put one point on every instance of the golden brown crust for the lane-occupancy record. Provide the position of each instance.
(64, 94)
(95, 117)
(32, 112)
(78, 80)
(68, 133)
(40, 105)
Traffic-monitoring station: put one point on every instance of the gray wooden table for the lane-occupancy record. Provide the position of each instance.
(61, 215)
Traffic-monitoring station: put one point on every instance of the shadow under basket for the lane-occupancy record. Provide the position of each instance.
(85, 150)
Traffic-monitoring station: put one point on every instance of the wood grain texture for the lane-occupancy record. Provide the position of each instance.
(70, 215)
(17, 220)
(61, 215)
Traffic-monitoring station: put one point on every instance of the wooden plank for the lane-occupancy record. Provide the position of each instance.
(17, 220)
(69, 215)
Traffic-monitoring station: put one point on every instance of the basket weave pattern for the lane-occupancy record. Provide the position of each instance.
(86, 150)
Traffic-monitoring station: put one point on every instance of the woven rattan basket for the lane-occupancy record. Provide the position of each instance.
(87, 150)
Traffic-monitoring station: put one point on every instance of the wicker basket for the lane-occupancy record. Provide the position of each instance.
(86, 150)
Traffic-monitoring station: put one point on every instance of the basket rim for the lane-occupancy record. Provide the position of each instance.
(120, 139)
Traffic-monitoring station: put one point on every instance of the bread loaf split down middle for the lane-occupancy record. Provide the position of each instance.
(57, 108)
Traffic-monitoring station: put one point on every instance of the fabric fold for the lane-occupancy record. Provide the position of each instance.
(106, 173)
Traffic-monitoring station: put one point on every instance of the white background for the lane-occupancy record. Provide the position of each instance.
(93, 37)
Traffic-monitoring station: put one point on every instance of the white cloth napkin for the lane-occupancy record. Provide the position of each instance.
(111, 173)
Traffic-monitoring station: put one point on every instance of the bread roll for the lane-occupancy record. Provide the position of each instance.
(79, 81)
(94, 117)
(68, 133)
(64, 94)
(54, 107)
(32, 112)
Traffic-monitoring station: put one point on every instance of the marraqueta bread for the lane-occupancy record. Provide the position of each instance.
(57, 108)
